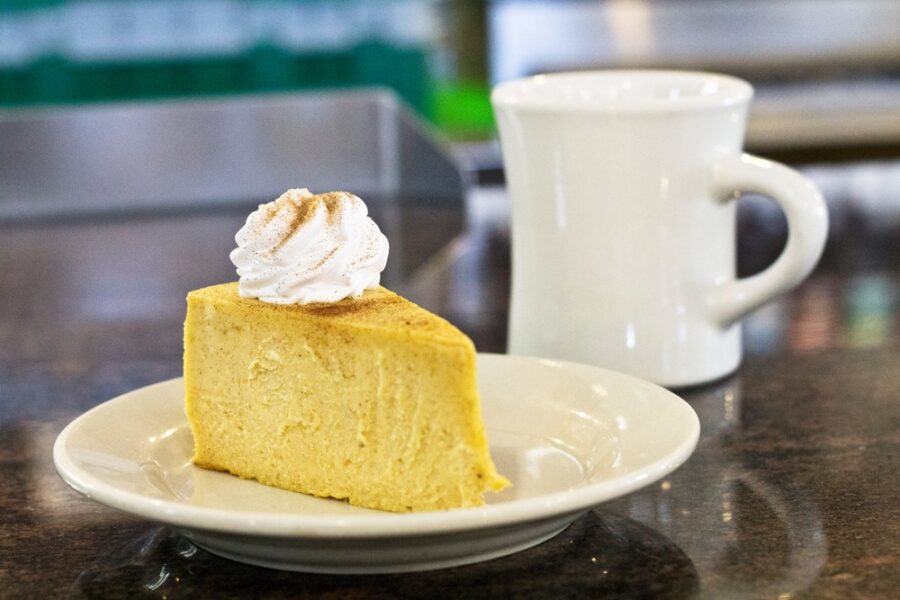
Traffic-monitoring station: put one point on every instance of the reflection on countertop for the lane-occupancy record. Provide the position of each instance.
(600, 555)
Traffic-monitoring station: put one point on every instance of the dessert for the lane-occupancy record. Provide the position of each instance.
(308, 376)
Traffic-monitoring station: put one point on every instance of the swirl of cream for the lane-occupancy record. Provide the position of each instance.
(305, 248)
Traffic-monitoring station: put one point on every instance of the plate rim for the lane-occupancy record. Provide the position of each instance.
(378, 524)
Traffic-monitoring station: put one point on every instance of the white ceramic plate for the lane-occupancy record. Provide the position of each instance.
(568, 436)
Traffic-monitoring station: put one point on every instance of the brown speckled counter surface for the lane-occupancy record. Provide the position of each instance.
(792, 492)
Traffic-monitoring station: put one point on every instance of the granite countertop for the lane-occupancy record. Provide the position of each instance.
(791, 493)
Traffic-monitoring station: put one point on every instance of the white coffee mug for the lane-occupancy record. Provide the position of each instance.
(622, 186)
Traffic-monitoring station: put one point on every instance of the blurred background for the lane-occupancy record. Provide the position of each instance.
(134, 108)
(835, 62)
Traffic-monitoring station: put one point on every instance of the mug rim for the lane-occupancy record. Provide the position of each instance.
(529, 93)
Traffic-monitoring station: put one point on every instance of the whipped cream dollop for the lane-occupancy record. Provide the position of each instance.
(306, 247)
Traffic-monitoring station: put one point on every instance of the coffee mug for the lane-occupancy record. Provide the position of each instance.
(623, 188)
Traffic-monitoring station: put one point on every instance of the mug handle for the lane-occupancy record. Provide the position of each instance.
(807, 220)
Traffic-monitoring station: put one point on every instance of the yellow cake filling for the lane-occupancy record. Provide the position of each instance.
(372, 400)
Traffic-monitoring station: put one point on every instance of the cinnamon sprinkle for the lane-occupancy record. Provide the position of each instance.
(303, 209)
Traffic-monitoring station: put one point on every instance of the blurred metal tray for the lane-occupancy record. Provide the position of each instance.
(163, 156)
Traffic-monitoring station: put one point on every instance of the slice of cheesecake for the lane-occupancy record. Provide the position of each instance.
(372, 400)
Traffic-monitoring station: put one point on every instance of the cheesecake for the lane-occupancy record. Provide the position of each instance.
(368, 398)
